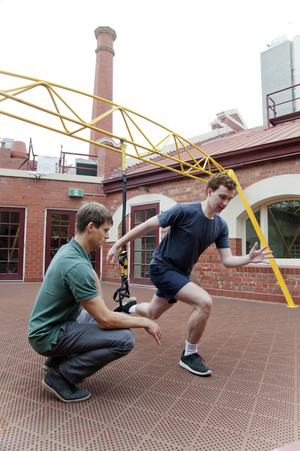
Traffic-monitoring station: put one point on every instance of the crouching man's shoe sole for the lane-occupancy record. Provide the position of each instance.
(64, 390)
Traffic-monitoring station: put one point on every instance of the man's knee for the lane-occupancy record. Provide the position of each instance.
(149, 309)
(128, 340)
(204, 303)
(153, 314)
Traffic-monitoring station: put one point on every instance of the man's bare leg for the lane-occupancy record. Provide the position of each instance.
(153, 309)
(194, 295)
(190, 294)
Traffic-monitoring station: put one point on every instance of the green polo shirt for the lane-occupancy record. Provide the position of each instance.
(68, 281)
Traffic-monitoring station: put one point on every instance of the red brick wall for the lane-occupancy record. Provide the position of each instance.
(10, 163)
(37, 195)
(249, 282)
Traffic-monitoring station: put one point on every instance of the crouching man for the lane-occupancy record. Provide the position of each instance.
(79, 341)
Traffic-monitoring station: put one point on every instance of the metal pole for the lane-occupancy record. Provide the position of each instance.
(123, 291)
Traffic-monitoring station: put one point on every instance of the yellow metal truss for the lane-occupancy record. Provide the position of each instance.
(170, 146)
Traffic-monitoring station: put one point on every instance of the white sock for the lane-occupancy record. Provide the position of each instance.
(190, 348)
(132, 309)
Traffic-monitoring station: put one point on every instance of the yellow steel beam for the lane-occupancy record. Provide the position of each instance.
(200, 166)
(71, 124)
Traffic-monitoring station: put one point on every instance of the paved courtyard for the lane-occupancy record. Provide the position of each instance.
(146, 401)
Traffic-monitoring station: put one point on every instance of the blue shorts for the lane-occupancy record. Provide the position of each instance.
(167, 280)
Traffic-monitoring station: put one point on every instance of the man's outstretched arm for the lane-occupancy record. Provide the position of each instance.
(254, 256)
(140, 230)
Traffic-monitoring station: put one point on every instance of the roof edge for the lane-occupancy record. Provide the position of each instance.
(226, 160)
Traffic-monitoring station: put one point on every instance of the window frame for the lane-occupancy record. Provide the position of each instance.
(263, 208)
(19, 275)
(134, 208)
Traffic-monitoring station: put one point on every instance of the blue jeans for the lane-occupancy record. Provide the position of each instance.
(87, 348)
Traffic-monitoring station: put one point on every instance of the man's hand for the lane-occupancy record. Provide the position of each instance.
(138, 231)
(154, 330)
(261, 255)
(112, 255)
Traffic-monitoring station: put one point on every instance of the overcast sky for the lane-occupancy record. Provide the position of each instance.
(176, 62)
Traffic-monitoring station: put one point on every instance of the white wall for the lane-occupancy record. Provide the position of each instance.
(144, 199)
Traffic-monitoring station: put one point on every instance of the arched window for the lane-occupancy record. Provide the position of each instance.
(280, 224)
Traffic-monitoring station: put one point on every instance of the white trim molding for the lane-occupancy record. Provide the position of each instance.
(260, 194)
(265, 191)
(144, 199)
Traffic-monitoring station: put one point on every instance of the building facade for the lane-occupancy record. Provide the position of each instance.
(37, 212)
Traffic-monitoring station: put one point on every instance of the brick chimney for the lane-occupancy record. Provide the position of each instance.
(108, 160)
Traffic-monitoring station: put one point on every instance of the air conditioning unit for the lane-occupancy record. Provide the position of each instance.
(86, 167)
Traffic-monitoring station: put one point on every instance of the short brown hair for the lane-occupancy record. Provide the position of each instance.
(221, 178)
(92, 212)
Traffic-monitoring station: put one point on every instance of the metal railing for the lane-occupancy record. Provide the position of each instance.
(272, 106)
(65, 168)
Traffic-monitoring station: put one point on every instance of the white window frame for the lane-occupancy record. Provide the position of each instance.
(260, 195)
(264, 228)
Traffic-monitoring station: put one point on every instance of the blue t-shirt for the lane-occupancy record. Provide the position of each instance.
(189, 234)
(68, 281)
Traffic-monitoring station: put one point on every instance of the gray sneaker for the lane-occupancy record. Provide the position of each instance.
(194, 364)
(64, 390)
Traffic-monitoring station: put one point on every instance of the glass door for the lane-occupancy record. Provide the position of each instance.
(11, 243)
(60, 230)
(142, 249)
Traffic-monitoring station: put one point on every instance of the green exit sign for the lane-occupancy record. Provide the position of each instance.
(76, 192)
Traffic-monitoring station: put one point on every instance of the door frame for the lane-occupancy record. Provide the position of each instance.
(72, 214)
(49, 212)
(20, 274)
(138, 280)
